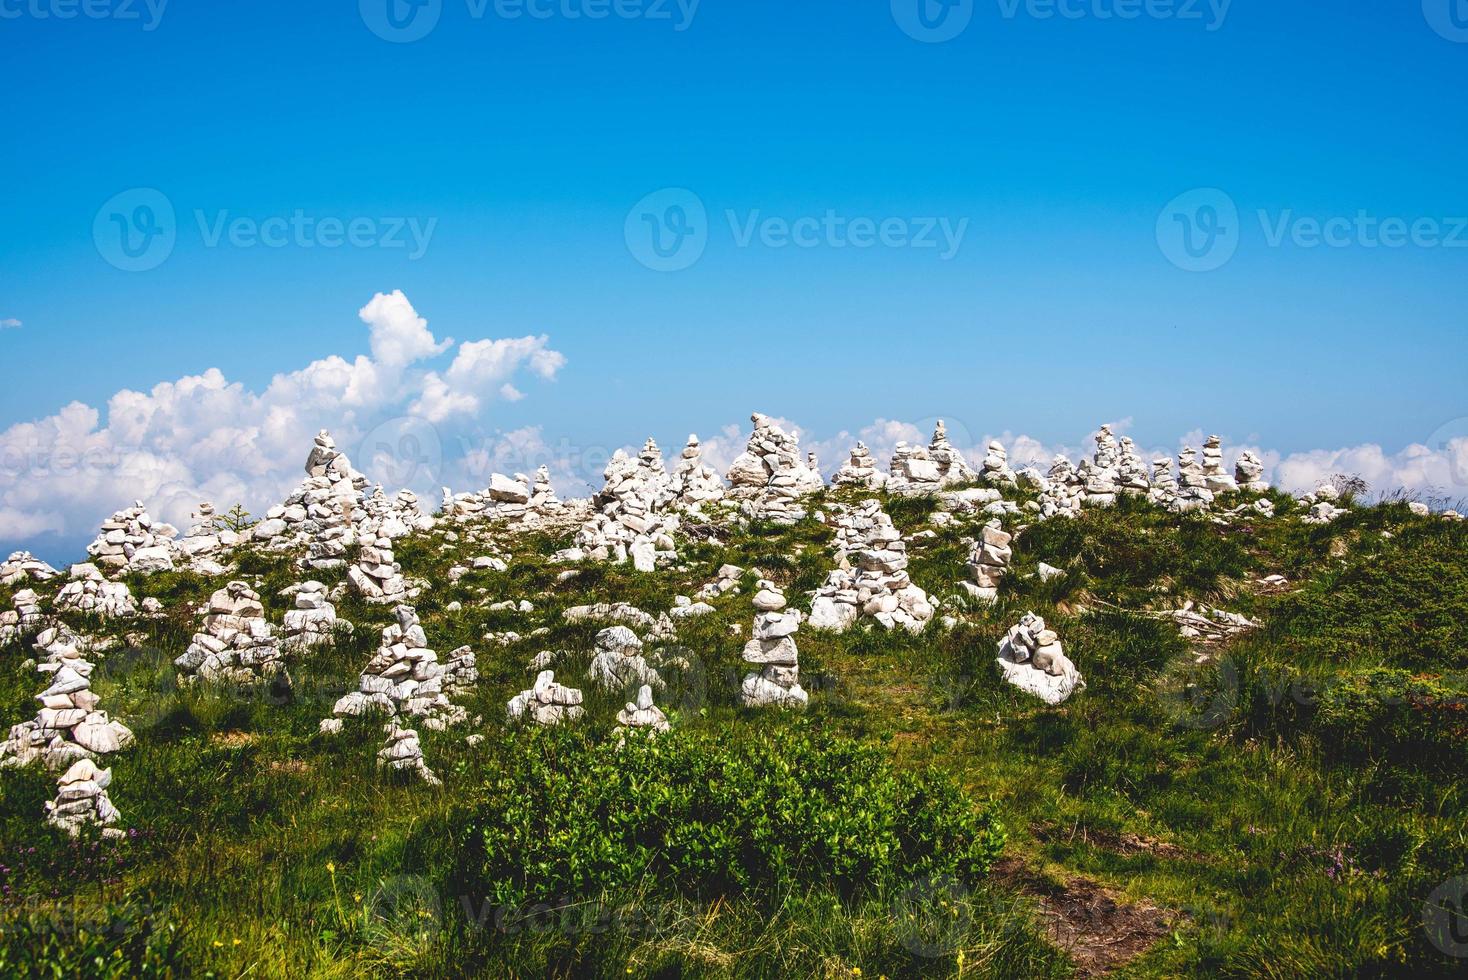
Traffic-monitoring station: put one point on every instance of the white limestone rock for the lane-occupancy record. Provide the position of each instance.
(546, 703)
(1032, 659)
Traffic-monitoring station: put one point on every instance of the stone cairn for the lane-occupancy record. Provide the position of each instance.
(322, 511)
(402, 752)
(546, 703)
(1061, 495)
(1249, 473)
(525, 502)
(82, 801)
(406, 678)
(89, 591)
(633, 515)
(25, 618)
(377, 576)
(1100, 475)
(860, 471)
(770, 478)
(68, 727)
(393, 518)
(1322, 503)
(1032, 659)
(641, 715)
(1192, 491)
(129, 541)
(879, 587)
(313, 621)
(206, 542)
(237, 644)
(1132, 476)
(726, 580)
(916, 470)
(22, 566)
(1215, 477)
(989, 562)
(773, 652)
(694, 482)
(1164, 484)
(618, 664)
(996, 471)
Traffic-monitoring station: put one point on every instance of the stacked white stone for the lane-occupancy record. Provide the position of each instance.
(313, 621)
(773, 651)
(377, 576)
(129, 541)
(1215, 477)
(1249, 473)
(1164, 484)
(989, 562)
(1193, 493)
(1132, 470)
(206, 541)
(860, 471)
(22, 566)
(633, 514)
(726, 580)
(25, 618)
(1032, 659)
(952, 467)
(517, 500)
(641, 715)
(1101, 475)
(618, 664)
(89, 591)
(1061, 496)
(770, 478)
(395, 518)
(1322, 503)
(323, 510)
(996, 467)
(406, 678)
(82, 801)
(237, 644)
(68, 727)
(695, 482)
(547, 703)
(402, 752)
(879, 586)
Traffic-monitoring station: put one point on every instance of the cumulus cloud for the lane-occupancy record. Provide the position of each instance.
(204, 437)
(10, 323)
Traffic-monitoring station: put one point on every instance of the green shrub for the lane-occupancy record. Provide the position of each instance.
(703, 814)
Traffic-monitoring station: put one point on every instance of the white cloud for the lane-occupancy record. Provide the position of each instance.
(203, 437)
(10, 323)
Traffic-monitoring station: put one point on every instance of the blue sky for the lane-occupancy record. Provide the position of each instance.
(1059, 140)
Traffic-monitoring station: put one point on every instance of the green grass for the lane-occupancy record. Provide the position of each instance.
(1289, 804)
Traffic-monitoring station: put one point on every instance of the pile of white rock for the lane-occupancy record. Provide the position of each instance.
(68, 727)
(996, 471)
(879, 586)
(860, 470)
(129, 541)
(1322, 503)
(206, 541)
(917, 470)
(394, 518)
(1193, 492)
(406, 678)
(89, 591)
(1131, 471)
(323, 510)
(694, 482)
(726, 580)
(770, 478)
(25, 618)
(773, 651)
(633, 514)
(522, 501)
(989, 562)
(1249, 473)
(81, 801)
(1063, 490)
(22, 566)
(376, 575)
(313, 620)
(546, 703)
(618, 664)
(641, 715)
(1214, 475)
(1032, 659)
(402, 752)
(237, 644)
(1198, 621)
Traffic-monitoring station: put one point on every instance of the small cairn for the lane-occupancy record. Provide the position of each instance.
(313, 621)
(82, 801)
(1249, 473)
(68, 727)
(406, 678)
(725, 581)
(1193, 492)
(880, 586)
(237, 644)
(1032, 659)
(402, 752)
(996, 471)
(770, 477)
(860, 470)
(206, 541)
(547, 703)
(641, 715)
(129, 541)
(618, 664)
(1214, 475)
(377, 576)
(22, 566)
(989, 563)
(773, 651)
(695, 482)
(89, 591)
(25, 618)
